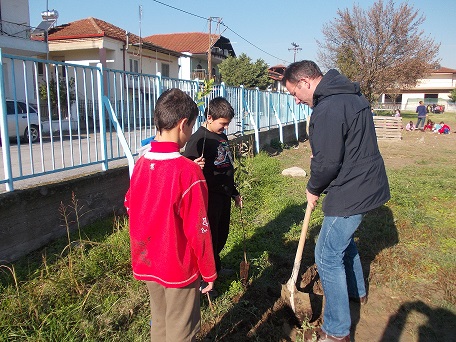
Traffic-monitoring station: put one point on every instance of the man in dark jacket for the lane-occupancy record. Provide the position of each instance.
(347, 166)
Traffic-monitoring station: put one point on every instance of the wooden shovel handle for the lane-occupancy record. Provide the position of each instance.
(302, 240)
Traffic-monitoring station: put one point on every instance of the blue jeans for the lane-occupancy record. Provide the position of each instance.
(420, 121)
(340, 271)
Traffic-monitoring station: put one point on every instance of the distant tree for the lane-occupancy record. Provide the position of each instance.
(60, 95)
(382, 47)
(62, 91)
(240, 70)
(452, 95)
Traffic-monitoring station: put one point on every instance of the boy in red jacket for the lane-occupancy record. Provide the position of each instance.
(170, 236)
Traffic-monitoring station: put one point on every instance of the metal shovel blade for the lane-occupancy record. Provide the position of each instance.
(244, 271)
(298, 301)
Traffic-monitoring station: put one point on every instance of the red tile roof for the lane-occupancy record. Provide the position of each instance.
(443, 70)
(193, 42)
(90, 27)
(276, 72)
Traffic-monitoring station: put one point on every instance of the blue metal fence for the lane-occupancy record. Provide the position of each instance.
(86, 115)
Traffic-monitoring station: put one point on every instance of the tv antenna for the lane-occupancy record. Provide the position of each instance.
(295, 49)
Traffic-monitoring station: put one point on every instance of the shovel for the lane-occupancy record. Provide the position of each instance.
(244, 265)
(299, 301)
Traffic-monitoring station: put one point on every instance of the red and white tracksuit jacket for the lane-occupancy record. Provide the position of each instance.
(169, 231)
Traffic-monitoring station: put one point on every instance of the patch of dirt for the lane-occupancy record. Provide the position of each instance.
(417, 147)
(262, 315)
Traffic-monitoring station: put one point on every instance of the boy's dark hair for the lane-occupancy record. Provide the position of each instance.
(298, 70)
(218, 108)
(174, 105)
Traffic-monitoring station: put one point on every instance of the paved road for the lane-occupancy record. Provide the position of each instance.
(70, 153)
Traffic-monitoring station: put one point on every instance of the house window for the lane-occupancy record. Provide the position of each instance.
(165, 70)
(389, 99)
(134, 65)
(40, 67)
(62, 70)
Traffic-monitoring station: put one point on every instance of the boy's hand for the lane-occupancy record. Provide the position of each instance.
(200, 161)
(238, 201)
(210, 286)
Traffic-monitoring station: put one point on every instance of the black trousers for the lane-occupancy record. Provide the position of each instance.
(219, 208)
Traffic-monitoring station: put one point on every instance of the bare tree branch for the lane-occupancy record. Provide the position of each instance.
(382, 48)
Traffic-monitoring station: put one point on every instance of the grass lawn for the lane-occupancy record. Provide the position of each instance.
(81, 288)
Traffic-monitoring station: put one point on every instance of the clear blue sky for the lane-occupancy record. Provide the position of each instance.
(269, 25)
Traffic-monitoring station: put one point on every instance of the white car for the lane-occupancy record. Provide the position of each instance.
(18, 110)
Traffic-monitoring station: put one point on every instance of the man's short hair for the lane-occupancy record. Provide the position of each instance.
(298, 70)
(171, 107)
(218, 108)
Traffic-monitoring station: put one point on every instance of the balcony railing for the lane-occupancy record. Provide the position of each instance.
(199, 74)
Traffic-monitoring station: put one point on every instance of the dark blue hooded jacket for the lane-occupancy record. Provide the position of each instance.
(346, 164)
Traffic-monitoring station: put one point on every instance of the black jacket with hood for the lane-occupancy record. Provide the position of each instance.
(346, 163)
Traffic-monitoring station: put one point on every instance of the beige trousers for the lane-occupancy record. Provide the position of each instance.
(175, 312)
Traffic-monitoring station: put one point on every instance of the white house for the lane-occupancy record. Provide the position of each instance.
(194, 47)
(91, 41)
(434, 89)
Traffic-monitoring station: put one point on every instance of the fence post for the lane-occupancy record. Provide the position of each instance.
(268, 108)
(159, 84)
(120, 134)
(4, 132)
(295, 120)
(242, 100)
(279, 122)
(257, 105)
(101, 118)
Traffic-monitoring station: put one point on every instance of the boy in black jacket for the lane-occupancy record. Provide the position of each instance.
(210, 144)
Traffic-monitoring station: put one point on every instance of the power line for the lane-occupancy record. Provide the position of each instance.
(181, 10)
(227, 27)
(237, 34)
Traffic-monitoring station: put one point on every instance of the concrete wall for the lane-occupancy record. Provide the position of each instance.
(289, 134)
(31, 218)
(15, 11)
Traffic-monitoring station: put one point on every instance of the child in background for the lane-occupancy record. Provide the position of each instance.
(444, 128)
(410, 126)
(211, 143)
(171, 245)
(436, 128)
(397, 113)
(429, 125)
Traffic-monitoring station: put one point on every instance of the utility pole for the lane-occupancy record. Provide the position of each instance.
(209, 52)
(140, 39)
(295, 49)
(211, 43)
